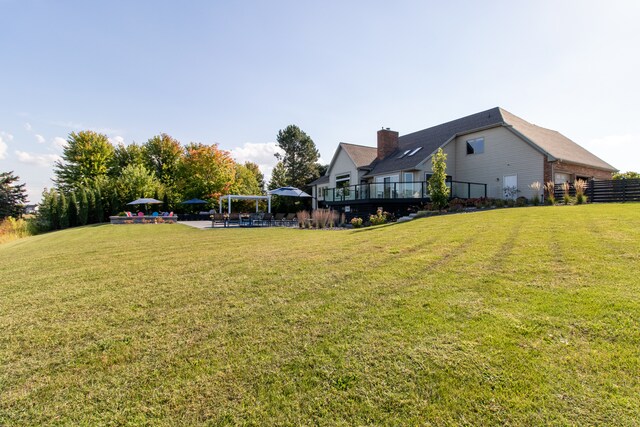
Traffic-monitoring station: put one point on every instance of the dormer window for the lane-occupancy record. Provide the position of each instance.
(415, 151)
(475, 146)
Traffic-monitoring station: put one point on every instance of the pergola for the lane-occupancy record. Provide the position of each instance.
(230, 197)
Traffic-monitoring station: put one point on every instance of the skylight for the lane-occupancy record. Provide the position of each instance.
(415, 151)
(403, 154)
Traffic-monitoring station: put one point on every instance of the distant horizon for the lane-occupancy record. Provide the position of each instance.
(235, 74)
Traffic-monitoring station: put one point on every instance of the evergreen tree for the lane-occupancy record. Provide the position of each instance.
(300, 156)
(72, 210)
(437, 185)
(83, 212)
(92, 215)
(255, 169)
(12, 196)
(99, 213)
(63, 214)
(278, 176)
(54, 210)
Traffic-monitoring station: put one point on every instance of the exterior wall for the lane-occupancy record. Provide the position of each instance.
(343, 165)
(450, 150)
(504, 154)
(577, 171)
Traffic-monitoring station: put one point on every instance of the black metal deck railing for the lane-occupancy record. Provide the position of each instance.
(400, 190)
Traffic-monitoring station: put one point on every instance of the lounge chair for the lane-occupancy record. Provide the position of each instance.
(154, 214)
(278, 220)
(140, 213)
(290, 220)
(267, 219)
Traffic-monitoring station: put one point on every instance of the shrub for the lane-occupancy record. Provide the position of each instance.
(499, 203)
(356, 222)
(566, 197)
(521, 201)
(379, 218)
(13, 229)
(550, 188)
(580, 185)
(303, 219)
(511, 203)
(324, 218)
(536, 187)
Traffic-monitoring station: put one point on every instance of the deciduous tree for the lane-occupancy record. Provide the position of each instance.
(437, 185)
(87, 156)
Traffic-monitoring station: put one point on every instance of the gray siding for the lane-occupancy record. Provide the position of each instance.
(504, 154)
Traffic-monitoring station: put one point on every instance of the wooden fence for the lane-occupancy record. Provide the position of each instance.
(613, 190)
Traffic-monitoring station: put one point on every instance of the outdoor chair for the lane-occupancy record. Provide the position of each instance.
(154, 214)
(140, 213)
(217, 219)
(267, 219)
(290, 220)
(234, 218)
(278, 220)
(127, 213)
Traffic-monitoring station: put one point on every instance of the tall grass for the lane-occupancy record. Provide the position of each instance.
(536, 187)
(580, 185)
(566, 197)
(13, 229)
(550, 188)
(303, 218)
(324, 218)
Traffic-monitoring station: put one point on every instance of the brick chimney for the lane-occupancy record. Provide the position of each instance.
(387, 142)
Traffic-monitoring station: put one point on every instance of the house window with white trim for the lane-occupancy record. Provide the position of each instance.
(475, 146)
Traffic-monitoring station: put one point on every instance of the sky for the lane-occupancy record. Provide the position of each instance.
(234, 73)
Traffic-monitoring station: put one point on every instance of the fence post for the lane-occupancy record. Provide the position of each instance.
(591, 190)
(624, 190)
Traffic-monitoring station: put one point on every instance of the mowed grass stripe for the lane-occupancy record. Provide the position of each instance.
(515, 316)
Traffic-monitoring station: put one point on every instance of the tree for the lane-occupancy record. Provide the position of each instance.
(626, 175)
(255, 170)
(278, 176)
(161, 155)
(12, 196)
(206, 172)
(72, 210)
(87, 156)
(63, 215)
(300, 156)
(125, 155)
(83, 208)
(438, 190)
(135, 182)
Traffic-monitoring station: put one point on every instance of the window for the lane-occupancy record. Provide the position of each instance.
(415, 151)
(475, 146)
(403, 154)
(342, 180)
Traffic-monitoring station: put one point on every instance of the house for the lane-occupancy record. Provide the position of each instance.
(491, 154)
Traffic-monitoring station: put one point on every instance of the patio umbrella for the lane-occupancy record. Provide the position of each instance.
(145, 201)
(289, 191)
(194, 202)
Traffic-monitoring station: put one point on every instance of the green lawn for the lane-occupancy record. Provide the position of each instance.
(522, 316)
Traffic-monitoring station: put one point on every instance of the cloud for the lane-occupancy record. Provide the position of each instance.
(260, 154)
(40, 139)
(27, 126)
(6, 136)
(59, 142)
(116, 140)
(44, 160)
(3, 148)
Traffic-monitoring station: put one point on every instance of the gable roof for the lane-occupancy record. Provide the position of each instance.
(558, 146)
(550, 142)
(361, 155)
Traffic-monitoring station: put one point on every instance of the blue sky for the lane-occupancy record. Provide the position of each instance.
(234, 73)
